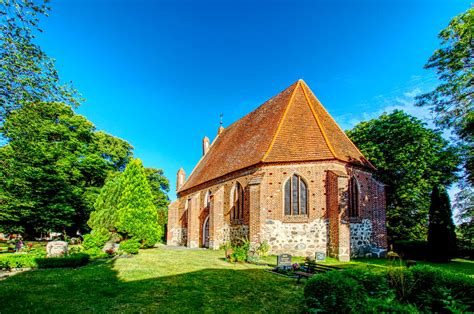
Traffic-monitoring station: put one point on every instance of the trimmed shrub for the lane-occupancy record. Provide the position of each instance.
(10, 261)
(96, 239)
(130, 246)
(72, 261)
(333, 292)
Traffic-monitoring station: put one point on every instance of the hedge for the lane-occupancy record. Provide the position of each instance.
(398, 290)
(12, 261)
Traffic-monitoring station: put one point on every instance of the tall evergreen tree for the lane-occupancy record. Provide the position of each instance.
(137, 215)
(441, 231)
(105, 214)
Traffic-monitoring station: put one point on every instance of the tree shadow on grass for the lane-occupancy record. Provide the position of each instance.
(99, 288)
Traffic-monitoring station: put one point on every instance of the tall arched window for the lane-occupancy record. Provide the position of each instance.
(207, 200)
(296, 196)
(353, 198)
(237, 210)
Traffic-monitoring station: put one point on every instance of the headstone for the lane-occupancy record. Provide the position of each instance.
(284, 261)
(56, 248)
(320, 256)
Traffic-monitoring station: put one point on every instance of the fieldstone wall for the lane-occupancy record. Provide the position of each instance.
(179, 236)
(235, 233)
(361, 235)
(300, 239)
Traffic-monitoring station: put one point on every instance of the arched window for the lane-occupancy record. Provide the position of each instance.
(237, 201)
(207, 200)
(353, 198)
(296, 196)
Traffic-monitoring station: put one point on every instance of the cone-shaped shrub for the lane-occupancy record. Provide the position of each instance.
(136, 215)
(104, 217)
(441, 235)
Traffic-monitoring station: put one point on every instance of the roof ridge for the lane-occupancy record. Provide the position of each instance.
(337, 125)
(323, 132)
(281, 121)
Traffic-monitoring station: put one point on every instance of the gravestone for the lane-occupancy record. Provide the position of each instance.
(284, 261)
(320, 256)
(56, 248)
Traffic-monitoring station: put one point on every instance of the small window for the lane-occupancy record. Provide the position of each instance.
(237, 210)
(353, 198)
(296, 196)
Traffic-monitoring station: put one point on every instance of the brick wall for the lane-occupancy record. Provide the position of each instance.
(264, 218)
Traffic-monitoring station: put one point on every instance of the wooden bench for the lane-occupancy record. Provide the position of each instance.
(311, 268)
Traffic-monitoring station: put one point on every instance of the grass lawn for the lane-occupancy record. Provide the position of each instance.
(167, 280)
(160, 279)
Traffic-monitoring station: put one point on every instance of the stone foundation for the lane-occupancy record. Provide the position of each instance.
(361, 234)
(236, 233)
(299, 239)
(179, 236)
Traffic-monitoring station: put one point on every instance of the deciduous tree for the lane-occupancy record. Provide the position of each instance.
(411, 159)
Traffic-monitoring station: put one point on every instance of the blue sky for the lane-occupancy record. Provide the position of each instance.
(159, 73)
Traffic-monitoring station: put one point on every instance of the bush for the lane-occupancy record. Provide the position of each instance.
(333, 292)
(96, 253)
(263, 248)
(130, 246)
(73, 261)
(375, 284)
(435, 290)
(240, 252)
(96, 239)
(10, 261)
(388, 306)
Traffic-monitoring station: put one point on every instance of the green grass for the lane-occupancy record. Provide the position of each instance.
(157, 280)
(167, 280)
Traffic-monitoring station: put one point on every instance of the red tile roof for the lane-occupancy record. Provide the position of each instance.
(293, 126)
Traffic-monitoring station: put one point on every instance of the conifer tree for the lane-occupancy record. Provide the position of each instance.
(136, 216)
(441, 234)
(104, 216)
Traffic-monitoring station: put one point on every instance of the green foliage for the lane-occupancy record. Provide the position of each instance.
(333, 292)
(410, 159)
(130, 246)
(432, 290)
(374, 285)
(411, 249)
(263, 248)
(441, 234)
(27, 74)
(452, 100)
(159, 186)
(240, 251)
(105, 214)
(96, 239)
(10, 261)
(398, 290)
(70, 261)
(137, 215)
(95, 252)
(52, 167)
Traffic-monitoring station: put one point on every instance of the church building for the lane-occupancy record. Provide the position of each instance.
(285, 174)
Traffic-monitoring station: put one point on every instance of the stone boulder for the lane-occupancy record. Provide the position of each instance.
(56, 248)
(110, 247)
